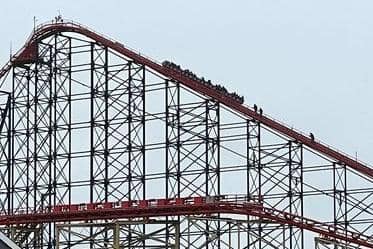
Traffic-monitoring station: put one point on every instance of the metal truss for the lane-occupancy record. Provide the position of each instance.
(86, 120)
(80, 235)
(323, 243)
(5, 149)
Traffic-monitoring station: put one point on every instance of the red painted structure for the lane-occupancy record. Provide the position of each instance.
(27, 52)
(147, 208)
(180, 206)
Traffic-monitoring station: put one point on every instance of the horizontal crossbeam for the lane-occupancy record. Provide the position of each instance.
(183, 207)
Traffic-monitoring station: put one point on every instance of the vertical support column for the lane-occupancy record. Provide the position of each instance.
(104, 138)
(20, 179)
(340, 196)
(9, 154)
(129, 138)
(296, 237)
(116, 236)
(172, 139)
(99, 150)
(136, 138)
(43, 137)
(21, 151)
(92, 122)
(61, 190)
(212, 160)
(117, 166)
(136, 131)
(142, 113)
(106, 124)
(177, 236)
(212, 165)
(254, 180)
(172, 108)
(5, 152)
(193, 155)
(31, 136)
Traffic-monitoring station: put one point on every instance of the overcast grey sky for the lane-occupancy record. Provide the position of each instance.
(307, 63)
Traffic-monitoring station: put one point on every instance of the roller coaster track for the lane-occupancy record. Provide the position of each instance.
(27, 53)
(182, 207)
(188, 205)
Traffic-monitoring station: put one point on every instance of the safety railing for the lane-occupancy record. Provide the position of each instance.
(316, 140)
(239, 204)
(69, 23)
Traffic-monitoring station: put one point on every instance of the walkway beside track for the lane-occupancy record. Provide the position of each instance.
(28, 52)
(182, 207)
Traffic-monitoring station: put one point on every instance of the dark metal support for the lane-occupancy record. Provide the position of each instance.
(79, 126)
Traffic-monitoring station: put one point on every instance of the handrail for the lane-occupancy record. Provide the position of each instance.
(230, 204)
(74, 23)
(244, 110)
(316, 140)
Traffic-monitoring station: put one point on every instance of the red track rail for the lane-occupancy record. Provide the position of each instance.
(48, 29)
(181, 206)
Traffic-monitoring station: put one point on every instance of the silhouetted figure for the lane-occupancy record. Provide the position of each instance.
(255, 108)
(260, 111)
(188, 73)
(58, 18)
(312, 136)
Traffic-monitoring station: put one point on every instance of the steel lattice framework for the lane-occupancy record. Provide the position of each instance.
(102, 147)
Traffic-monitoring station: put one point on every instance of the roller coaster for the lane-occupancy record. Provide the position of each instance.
(104, 147)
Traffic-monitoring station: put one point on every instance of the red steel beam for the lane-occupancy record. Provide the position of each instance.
(187, 207)
(48, 29)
